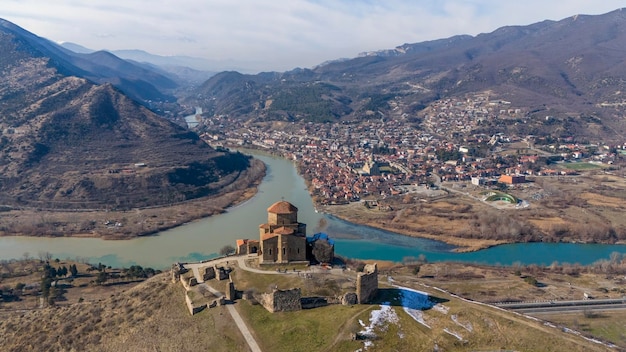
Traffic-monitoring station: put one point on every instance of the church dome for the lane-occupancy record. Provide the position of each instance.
(282, 207)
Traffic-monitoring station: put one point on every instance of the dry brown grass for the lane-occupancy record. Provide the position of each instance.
(498, 284)
(438, 220)
(609, 326)
(145, 221)
(586, 208)
(603, 201)
(546, 224)
(151, 316)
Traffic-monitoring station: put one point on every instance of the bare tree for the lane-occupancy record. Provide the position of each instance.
(44, 256)
(227, 249)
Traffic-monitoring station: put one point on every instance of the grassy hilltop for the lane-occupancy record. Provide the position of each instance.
(151, 315)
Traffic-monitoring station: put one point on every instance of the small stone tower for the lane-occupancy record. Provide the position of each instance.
(367, 284)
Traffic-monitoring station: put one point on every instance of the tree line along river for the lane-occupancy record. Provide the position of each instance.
(203, 239)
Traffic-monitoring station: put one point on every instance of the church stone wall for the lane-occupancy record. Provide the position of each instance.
(367, 284)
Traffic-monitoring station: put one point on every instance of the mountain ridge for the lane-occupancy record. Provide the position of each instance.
(563, 68)
(69, 143)
(141, 84)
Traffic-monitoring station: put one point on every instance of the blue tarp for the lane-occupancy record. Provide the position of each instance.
(320, 236)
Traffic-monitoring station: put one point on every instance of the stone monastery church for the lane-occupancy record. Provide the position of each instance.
(282, 239)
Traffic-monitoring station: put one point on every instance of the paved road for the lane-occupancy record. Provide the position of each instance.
(254, 346)
(565, 306)
(241, 262)
(572, 309)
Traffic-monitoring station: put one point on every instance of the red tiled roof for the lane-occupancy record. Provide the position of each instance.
(283, 231)
(268, 235)
(282, 207)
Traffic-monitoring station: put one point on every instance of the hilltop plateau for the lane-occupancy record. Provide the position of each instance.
(93, 314)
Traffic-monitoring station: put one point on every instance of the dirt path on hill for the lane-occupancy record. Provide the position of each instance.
(344, 328)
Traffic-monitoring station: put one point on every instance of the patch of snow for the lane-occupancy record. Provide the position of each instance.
(441, 308)
(468, 326)
(417, 315)
(378, 318)
(570, 331)
(459, 337)
(414, 302)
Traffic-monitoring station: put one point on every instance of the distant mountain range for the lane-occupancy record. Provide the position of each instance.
(573, 69)
(74, 131)
(100, 67)
(71, 138)
(185, 69)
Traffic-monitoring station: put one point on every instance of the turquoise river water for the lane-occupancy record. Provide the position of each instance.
(202, 239)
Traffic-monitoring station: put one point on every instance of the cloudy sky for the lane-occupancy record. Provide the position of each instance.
(277, 34)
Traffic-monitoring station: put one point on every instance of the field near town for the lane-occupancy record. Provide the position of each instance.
(583, 208)
(609, 326)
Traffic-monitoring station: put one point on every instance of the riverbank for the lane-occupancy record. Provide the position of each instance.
(358, 214)
(587, 209)
(132, 223)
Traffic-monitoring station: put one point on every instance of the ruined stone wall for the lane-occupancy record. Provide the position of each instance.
(177, 270)
(221, 273)
(188, 282)
(193, 309)
(231, 293)
(281, 300)
(349, 299)
(209, 273)
(367, 283)
(314, 302)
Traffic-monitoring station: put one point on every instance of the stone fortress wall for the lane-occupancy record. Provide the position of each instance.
(281, 300)
(367, 284)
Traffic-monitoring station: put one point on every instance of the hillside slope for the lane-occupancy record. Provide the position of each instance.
(150, 317)
(139, 82)
(153, 316)
(66, 142)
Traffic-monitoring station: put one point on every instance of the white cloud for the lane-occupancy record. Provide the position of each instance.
(277, 34)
